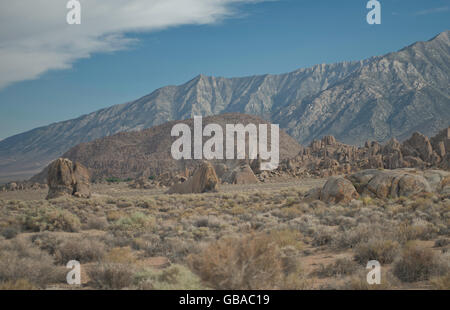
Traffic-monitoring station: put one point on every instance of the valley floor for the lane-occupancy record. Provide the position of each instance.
(264, 236)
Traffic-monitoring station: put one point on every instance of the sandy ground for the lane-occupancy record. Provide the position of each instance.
(122, 189)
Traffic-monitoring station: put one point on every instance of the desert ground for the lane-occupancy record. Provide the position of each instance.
(260, 236)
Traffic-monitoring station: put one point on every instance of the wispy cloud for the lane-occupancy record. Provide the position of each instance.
(432, 11)
(35, 38)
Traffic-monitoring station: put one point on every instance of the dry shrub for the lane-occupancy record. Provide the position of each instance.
(341, 267)
(442, 242)
(81, 249)
(121, 255)
(46, 241)
(98, 223)
(287, 237)
(418, 264)
(359, 282)
(419, 230)
(50, 219)
(20, 284)
(175, 277)
(441, 283)
(20, 259)
(133, 225)
(323, 236)
(10, 232)
(381, 250)
(251, 262)
(111, 275)
(114, 215)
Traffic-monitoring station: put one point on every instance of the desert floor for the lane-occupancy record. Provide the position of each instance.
(263, 236)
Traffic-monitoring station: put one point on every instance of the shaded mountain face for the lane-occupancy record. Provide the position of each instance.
(148, 152)
(374, 99)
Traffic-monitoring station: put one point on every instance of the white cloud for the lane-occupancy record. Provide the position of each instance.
(35, 38)
(433, 10)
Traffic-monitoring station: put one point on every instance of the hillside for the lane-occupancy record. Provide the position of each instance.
(147, 152)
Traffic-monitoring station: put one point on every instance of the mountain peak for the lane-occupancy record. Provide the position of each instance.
(443, 36)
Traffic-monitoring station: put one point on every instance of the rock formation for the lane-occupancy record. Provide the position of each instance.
(237, 173)
(203, 180)
(327, 157)
(390, 183)
(67, 178)
(383, 184)
(338, 189)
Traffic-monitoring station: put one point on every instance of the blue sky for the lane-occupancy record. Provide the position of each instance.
(249, 38)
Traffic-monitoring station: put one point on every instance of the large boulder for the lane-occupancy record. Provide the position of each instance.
(67, 178)
(239, 173)
(392, 155)
(390, 183)
(82, 186)
(244, 175)
(203, 180)
(338, 189)
(418, 146)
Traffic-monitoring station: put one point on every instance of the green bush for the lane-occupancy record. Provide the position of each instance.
(113, 180)
(133, 224)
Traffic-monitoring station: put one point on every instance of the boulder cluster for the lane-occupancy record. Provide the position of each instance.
(327, 157)
(21, 185)
(382, 184)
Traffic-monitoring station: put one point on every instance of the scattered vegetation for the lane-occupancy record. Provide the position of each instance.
(253, 239)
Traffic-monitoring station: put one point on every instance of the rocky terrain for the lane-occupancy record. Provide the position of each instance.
(112, 160)
(328, 157)
(377, 99)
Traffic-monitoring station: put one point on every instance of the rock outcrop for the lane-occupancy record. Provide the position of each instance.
(68, 178)
(241, 173)
(383, 184)
(390, 183)
(327, 157)
(338, 189)
(203, 180)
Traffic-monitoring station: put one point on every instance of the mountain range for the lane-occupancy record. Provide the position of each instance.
(378, 98)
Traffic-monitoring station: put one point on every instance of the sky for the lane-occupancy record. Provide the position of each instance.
(124, 49)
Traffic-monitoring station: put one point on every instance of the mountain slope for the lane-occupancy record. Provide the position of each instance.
(378, 98)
